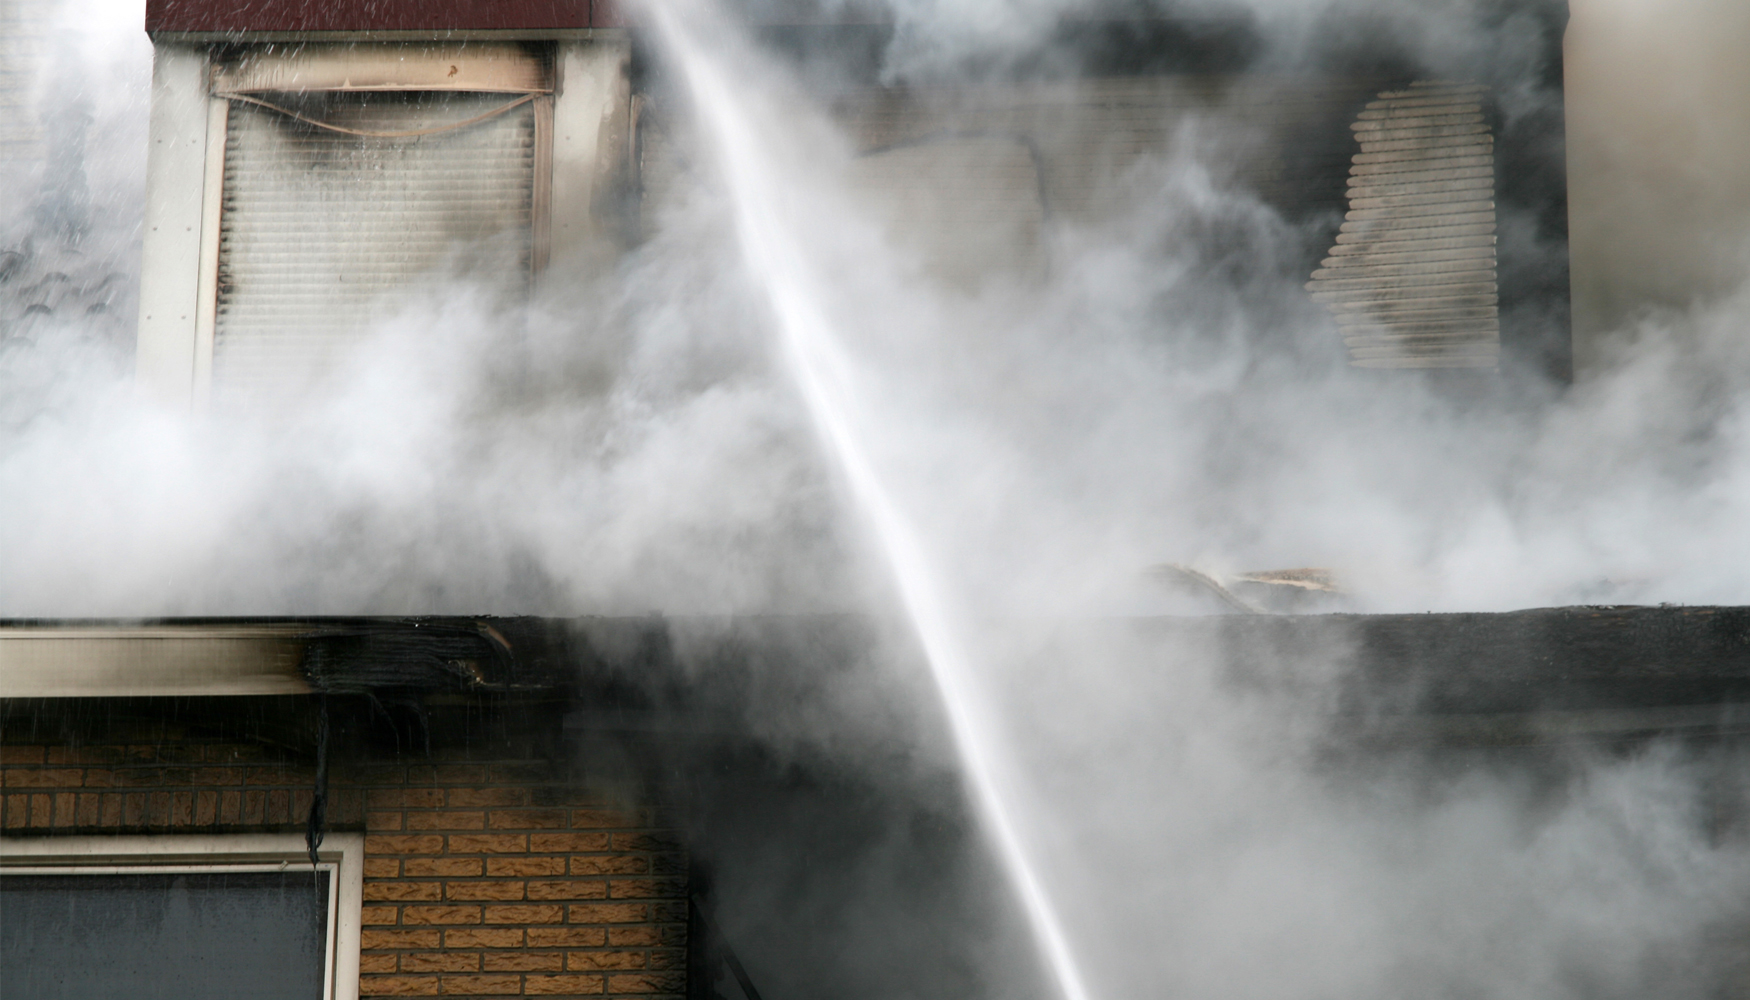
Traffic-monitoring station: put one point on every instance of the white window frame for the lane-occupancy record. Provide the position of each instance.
(477, 67)
(185, 168)
(341, 854)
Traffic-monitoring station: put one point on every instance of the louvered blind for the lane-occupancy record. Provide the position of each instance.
(323, 232)
(1411, 279)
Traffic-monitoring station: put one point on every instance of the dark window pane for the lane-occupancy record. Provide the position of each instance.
(184, 935)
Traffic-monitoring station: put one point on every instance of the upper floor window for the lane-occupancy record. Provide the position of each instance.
(350, 176)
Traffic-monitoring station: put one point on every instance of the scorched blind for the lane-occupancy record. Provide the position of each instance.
(324, 230)
(1412, 278)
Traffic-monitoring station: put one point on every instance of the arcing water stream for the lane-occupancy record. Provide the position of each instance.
(779, 262)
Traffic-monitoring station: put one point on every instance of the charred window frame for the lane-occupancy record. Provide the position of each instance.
(276, 79)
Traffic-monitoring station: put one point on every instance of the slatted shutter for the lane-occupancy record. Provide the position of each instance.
(323, 232)
(1411, 279)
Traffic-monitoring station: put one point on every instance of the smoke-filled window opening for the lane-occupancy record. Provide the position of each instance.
(189, 916)
(964, 204)
(350, 177)
(1098, 100)
(969, 180)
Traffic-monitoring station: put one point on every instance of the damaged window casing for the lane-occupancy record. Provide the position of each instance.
(300, 191)
(341, 179)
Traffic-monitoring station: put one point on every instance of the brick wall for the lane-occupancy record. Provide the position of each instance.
(179, 787)
(495, 878)
(489, 879)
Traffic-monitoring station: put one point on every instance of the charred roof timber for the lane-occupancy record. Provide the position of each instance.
(219, 20)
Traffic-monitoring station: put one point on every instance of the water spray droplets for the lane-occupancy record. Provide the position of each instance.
(825, 376)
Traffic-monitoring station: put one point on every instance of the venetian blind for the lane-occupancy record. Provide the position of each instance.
(1411, 279)
(324, 232)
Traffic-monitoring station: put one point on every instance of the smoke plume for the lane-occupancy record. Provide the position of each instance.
(1157, 390)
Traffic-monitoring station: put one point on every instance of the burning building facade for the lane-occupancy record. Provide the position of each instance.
(489, 806)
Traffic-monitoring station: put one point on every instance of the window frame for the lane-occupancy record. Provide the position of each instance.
(478, 67)
(341, 854)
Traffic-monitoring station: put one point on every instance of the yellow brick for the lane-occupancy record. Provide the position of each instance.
(446, 867)
(557, 843)
(483, 985)
(380, 890)
(524, 961)
(604, 960)
(441, 961)
(483, 937)
(612, 864)
(568, 889)
(446, 820)
(380, 939)
(440, 915)
(527, 819)
(567, 937)
(524, 867)
(398, 986)
(548, 985)
(632, 937)
(395, 844)
(525, 914)
(608, 913)
(488, 843)
(485, 890)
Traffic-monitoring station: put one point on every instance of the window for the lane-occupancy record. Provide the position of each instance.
(349, 176)
(968, 180)
(190, 917)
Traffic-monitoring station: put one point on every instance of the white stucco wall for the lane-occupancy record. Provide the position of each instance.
(591, 146)
(1658, 120)
(170, 271)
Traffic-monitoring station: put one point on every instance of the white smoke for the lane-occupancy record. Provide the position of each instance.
(1140, 403)
(630, 445)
